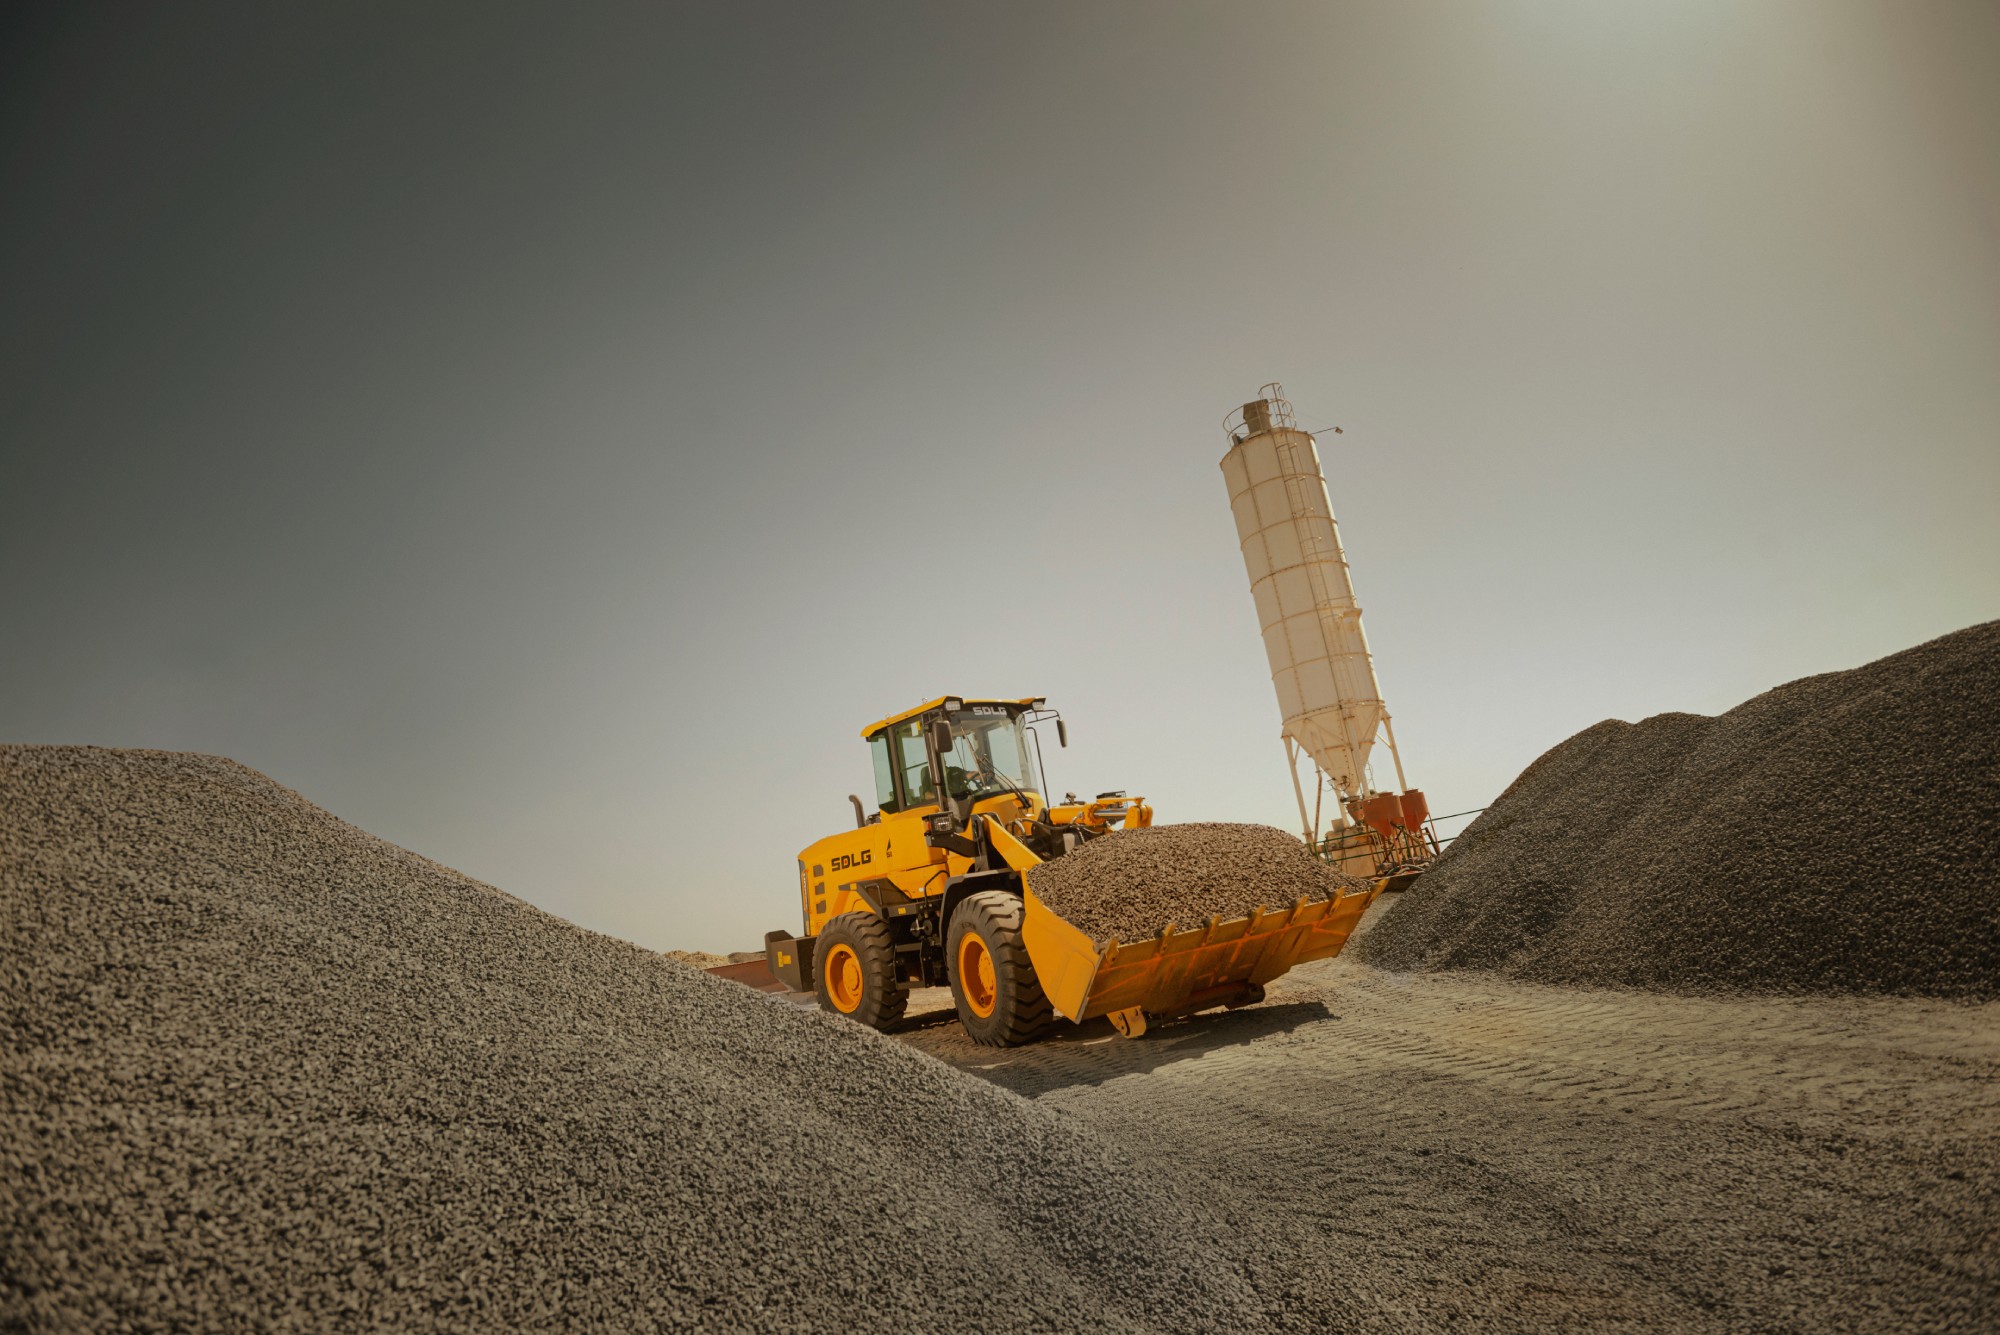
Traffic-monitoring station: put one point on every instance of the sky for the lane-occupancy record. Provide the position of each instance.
(545, 436)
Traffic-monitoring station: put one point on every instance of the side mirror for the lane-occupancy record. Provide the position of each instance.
(1062, 733)
(941, 736)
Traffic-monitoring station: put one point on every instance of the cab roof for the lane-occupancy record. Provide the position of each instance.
(929, 705)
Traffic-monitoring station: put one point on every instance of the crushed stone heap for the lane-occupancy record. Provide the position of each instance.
(696, 959)
(1837, 834)
(1131, 884)
(265, 1071)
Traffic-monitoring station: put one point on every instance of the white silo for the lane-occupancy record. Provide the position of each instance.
(1320, 665)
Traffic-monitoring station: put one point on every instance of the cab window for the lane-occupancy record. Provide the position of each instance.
(914, 767)
(885, 773)
(989, 753)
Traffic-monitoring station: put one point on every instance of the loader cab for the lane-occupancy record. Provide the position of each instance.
(989, 755)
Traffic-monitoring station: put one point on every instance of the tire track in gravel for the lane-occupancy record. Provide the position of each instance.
(1671, 1055)
(1458, 1147)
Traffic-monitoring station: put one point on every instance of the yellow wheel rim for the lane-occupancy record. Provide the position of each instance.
(975, 974)
(843, 979)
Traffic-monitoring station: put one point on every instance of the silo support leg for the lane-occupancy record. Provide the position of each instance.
(1298, 791)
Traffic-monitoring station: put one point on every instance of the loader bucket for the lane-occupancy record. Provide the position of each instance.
(1223, 962)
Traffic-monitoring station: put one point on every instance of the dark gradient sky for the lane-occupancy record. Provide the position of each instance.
(544, 435)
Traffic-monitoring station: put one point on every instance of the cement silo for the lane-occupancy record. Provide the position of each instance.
(1328, 697)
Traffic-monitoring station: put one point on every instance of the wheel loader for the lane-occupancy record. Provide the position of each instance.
(933, 888)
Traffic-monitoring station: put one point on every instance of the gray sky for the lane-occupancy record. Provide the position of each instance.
(532, 432)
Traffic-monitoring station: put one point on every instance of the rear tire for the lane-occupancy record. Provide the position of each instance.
(1000, 1000)
(854, 971)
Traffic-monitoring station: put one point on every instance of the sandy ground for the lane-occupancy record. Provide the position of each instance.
(1463, 1149)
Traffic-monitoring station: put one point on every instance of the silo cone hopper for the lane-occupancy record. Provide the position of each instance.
(1221, 962)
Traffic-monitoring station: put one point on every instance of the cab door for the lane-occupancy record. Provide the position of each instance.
(915, 868)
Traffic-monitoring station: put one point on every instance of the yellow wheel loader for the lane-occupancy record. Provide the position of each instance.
(931, 888)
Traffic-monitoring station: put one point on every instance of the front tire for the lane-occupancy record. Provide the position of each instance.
(1000, 1000)
(854, 971)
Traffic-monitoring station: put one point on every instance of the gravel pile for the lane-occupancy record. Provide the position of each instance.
(1837, 834)
(264, 1071)
(1132, 884)
(697, 959)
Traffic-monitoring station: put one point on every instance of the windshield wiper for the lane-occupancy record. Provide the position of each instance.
(992, 771)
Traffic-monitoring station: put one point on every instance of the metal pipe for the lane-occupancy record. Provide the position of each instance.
(1292, 764)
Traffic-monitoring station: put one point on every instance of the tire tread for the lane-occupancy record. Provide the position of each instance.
(884, 998)
(1030, 1014)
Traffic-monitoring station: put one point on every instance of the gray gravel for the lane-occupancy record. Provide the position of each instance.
(1465, 1152)
(697, 959)
(1132, 884)
(1837, 834)
(267, 1072)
